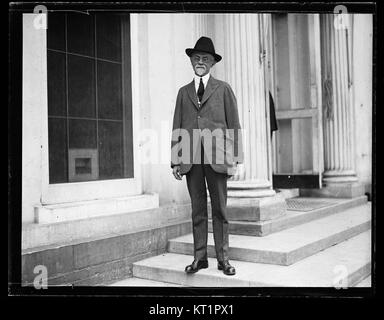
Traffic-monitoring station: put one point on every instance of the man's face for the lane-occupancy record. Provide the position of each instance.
(202, 63)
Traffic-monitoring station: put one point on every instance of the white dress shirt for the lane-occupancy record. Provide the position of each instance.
(205, 81)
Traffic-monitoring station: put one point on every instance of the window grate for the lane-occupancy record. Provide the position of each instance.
(305, 204)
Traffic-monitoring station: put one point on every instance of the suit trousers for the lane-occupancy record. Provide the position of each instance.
(197, 177)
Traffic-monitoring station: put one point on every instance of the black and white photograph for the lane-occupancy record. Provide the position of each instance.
(179, 149)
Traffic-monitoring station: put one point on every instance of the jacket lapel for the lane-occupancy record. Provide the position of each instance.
(192, 93)
(211, 87)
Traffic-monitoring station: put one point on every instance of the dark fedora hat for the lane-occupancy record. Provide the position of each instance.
(204, 44)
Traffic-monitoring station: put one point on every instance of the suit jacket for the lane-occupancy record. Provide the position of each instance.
(214, 124)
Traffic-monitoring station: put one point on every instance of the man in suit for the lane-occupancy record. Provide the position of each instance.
(206, 147)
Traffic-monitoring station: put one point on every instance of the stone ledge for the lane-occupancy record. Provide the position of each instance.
(102, 274)
(61, 212)
(37, 235)
(97, 261)
(336, 190)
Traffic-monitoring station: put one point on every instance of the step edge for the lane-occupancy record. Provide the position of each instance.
(322, 212)
(261, 229)
(146, 272)
(78, 241)
(277, 257)
(330, 241)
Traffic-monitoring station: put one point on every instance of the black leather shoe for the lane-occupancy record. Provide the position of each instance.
(226, 267)
(196, 266)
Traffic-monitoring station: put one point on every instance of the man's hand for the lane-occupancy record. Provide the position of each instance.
(176, 172)
(240, 172)
(237, 171)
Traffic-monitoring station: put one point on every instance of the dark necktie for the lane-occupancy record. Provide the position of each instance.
(200, 91)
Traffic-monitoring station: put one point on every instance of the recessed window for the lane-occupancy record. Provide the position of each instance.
(89, 97)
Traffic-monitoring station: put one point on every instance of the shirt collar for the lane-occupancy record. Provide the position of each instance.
(205, 80)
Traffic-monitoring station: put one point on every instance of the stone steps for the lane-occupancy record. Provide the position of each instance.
(290, 219)
(138, 282)
(291, 245)
(365, 283)
(301, 249)
(350, 258)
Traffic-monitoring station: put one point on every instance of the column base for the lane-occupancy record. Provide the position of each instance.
(336, 190)
(254, 209)
(253, 201)
(339, 176)
(250, 189)
(251, 193)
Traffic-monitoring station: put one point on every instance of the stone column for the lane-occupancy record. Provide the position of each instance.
(339, 178)
(201, 26)
(243, 68)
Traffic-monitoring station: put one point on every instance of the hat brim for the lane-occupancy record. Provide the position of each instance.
(191, 51)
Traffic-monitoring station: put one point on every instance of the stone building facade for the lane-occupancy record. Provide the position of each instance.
(99, 94)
